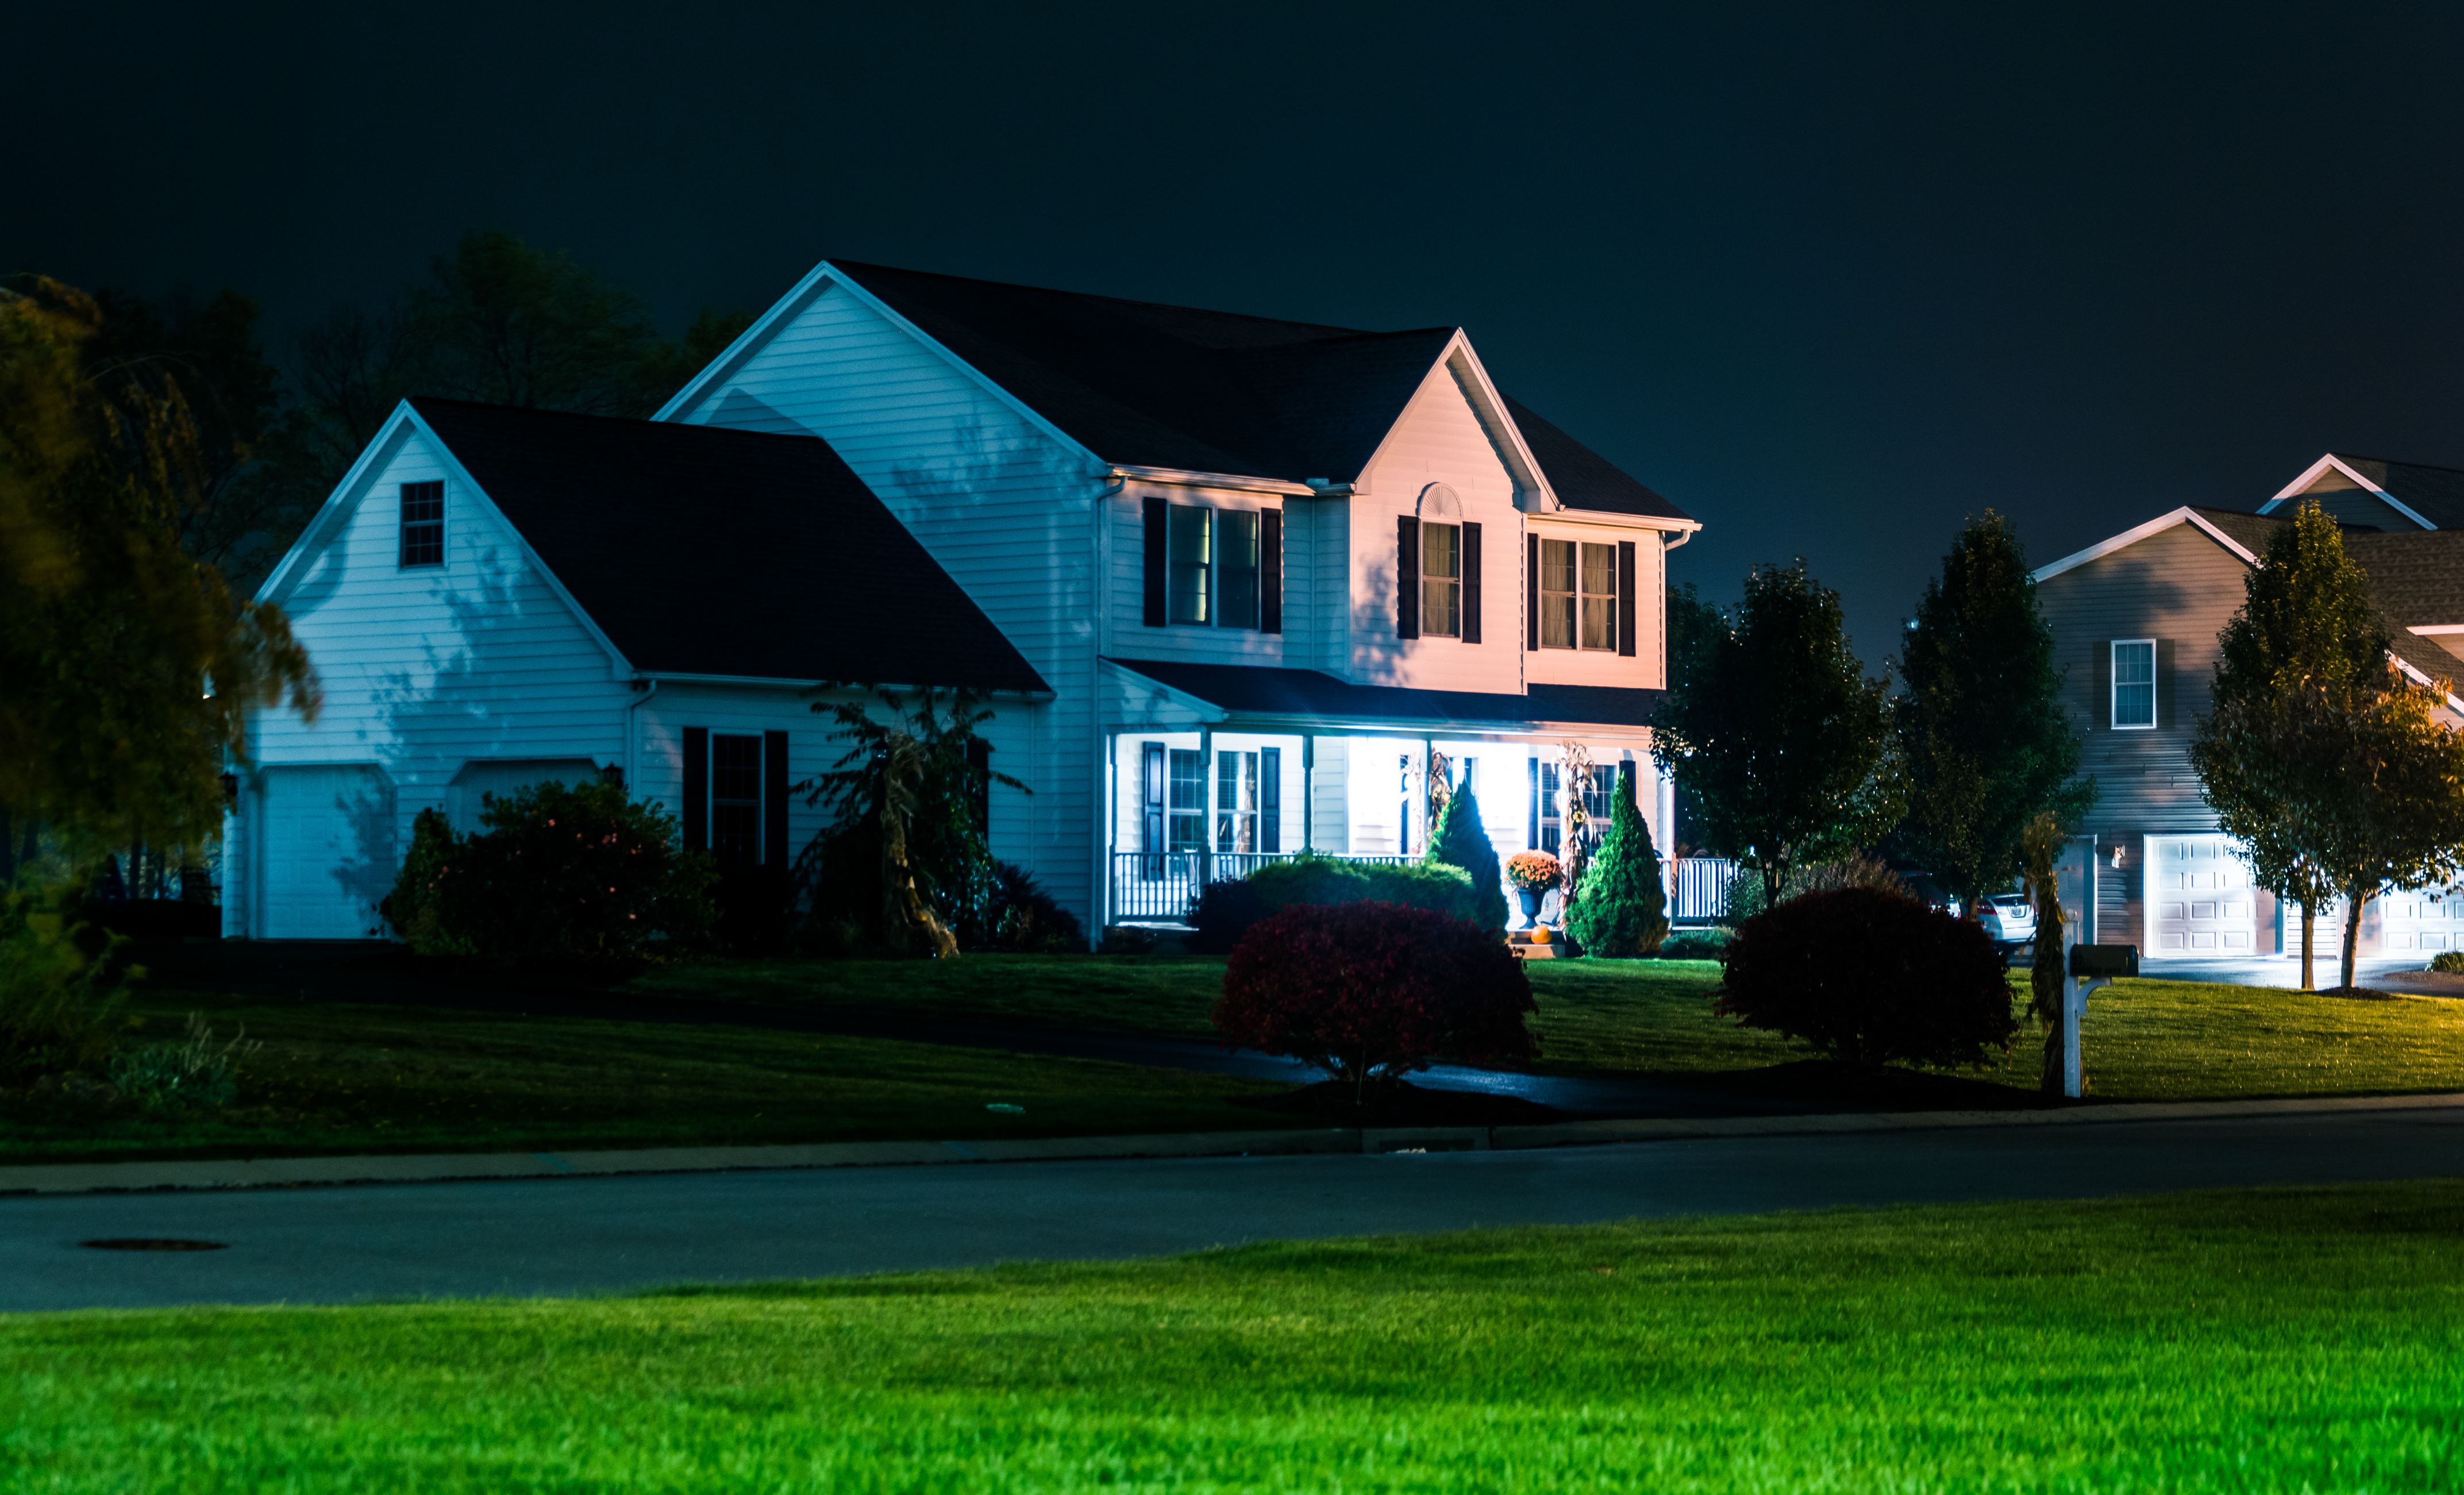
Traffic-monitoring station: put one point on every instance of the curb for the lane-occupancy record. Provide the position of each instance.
(275, 1172)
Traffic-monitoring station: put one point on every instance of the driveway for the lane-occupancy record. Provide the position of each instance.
(586, 1235)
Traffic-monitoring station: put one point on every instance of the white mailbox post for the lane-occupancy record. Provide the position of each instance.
(2091, 966)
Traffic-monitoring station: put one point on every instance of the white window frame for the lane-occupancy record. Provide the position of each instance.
(2113, 685)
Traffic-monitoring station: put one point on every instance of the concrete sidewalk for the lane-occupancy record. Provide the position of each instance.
(458, 1167)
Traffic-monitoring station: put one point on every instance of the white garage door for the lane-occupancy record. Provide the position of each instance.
(2199, 899)
(329, 854)
(2426, 922)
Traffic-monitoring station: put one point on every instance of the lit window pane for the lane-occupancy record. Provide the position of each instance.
(1236, 587)
(1599, 597)
(1192, 558)
(1557, 594)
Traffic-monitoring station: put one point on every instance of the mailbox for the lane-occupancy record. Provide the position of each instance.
(2104, 962)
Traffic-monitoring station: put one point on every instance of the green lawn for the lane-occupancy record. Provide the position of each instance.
(351, 1078)
(2288, 1339)
(2144, 1039)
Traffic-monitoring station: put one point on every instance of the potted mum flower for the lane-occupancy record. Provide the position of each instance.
(1532, 874)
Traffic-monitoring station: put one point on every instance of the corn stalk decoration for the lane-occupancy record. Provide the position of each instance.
(1574, 777)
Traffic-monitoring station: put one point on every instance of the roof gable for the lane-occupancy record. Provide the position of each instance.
(700, 550)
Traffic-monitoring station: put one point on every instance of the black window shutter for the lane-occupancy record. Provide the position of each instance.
(774, 799)
(696, 788)
(1626, 598)
(1270, 799)
(1471, 583)
(1532, 638)
(1151, 797)
(2166, 719)
(1158, 515)
(979, 794)
(1407, 578)
(2100, 672)
(1270, 571)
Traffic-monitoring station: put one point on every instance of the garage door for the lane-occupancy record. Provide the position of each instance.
(329, 856)
(2426, 922)
(2199, 898)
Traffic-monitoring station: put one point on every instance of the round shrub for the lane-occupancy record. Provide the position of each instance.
(2448, 960)
(1370, 991)
(1872, 978)
(1226, 910)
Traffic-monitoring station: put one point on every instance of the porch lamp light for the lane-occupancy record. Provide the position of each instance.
(230, 786)
(612, 776)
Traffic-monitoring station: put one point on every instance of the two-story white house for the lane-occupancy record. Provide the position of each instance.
(1234, 582)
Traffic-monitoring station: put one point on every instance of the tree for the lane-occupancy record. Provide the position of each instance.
(906, 858)
(1621, 909)
(1462, 840)
(126, 670)
(1980, 724)
(499, 321)
(1777, 733)
(2302, 702)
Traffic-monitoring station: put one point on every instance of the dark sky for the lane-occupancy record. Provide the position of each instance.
(1830, 279)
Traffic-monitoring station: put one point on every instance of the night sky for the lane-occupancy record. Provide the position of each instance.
(1829, 281)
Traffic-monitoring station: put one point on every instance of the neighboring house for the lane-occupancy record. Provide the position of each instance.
(2135, 621)
(1239, 581)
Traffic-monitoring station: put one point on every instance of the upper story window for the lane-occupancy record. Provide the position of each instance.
(1441, 580)
(422, 524)
(1579, 595)
(2134, 685)
(1217, 568)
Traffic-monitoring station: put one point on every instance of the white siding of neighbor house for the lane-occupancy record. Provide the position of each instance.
(1003, 505)
(1125, 512)
(424, 670)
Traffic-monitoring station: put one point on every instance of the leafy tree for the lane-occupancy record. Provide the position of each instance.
(1777, 733)
(1462, 840)
(1980, 724)
(905, 860)
(499, 321)
(2296, 703)
(126, 670)
(1621, 909)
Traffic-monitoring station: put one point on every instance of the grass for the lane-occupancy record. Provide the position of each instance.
(2291, 1339)
(353, 1078)
(2144, 1039)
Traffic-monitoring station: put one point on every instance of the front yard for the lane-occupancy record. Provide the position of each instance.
(2284, 1339)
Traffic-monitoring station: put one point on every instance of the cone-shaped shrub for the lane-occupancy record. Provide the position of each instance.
(1462, 840)
(1622, 909)
(1368, 990)
(1870, 976)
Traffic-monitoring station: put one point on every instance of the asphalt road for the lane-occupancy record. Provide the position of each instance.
(585, 1235)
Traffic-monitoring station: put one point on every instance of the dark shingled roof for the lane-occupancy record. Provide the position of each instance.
(2434, 492)
(1267, 691)
(704, 550)
(1174, 387)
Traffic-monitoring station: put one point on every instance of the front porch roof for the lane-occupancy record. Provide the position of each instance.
(1311, 697)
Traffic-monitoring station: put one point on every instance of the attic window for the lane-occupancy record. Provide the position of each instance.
(422, 524)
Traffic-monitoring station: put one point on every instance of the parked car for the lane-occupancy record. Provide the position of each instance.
(2010, 919)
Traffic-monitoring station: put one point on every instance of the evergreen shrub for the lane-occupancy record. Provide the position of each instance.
(1870, 976)
(1019, 916)
(1462, 840)
(561, 871)
(1370, 991)
(1621, 907)
(2448, 960)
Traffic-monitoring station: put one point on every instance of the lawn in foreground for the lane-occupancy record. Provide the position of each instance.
(362, 1078)
(2144, 1039)
(2294, 1339)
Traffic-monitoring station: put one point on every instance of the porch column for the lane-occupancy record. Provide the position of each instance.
(1108, 778)
(1207, 827)
(1309, 791)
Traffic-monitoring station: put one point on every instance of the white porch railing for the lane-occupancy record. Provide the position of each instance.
(1153, 887)
(1698, 888)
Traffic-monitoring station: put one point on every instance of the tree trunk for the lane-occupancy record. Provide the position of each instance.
(2309, 922)
(2352, 932)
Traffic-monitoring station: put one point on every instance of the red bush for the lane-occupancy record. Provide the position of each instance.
(1870, 976)
(1368, 990)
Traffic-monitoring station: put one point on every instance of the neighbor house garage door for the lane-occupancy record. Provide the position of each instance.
(2423, 922)
(2199, 899)
(328, 850)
